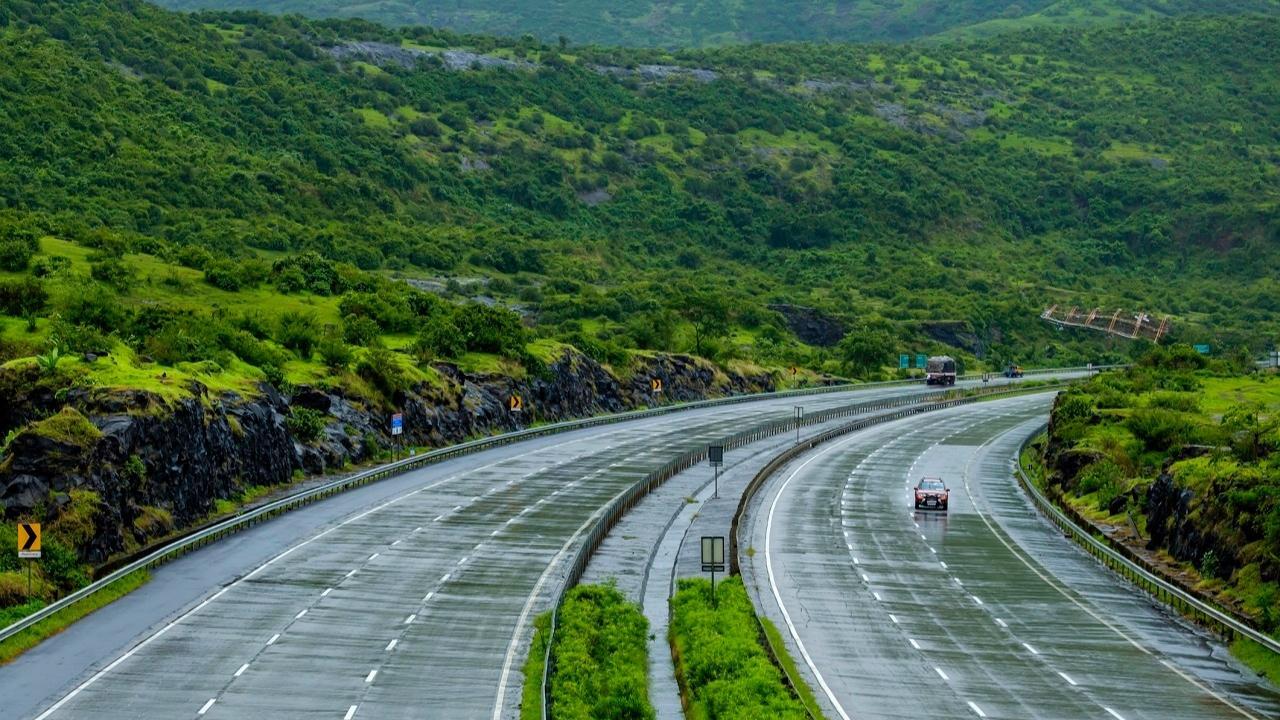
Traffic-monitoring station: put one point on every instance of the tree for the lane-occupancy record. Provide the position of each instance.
(708, 313)
(865, 351)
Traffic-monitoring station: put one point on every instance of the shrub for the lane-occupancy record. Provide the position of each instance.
(22, 297)
(15, 254)
(379, 366)
(94, 306)
(600, 657)
(305, 424)
(225, 275)
(298, 331)
(112, 271)
(490, 329)
(359, 330)
(1160, 429)
(335, 353)
(438, 338)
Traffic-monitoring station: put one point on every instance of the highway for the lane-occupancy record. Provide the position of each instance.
(409, 596)
(984, 611)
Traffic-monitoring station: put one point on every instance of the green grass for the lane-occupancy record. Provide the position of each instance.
(1260, 659)
(789, 667)
(531, 691)
(56, 623)
(722, 664)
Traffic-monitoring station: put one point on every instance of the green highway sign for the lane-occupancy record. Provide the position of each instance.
(921, 359)
(904, 361)
(1203, 348)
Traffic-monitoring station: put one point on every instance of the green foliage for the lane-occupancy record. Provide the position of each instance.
(723, 668)
(438, 338)
(69, 427)
(299, 332)
(865, 351)
(335, 353)
(600, 657)
(305, 424)
(48, 362)
(22, 297)
(489, 329)
(380, 367)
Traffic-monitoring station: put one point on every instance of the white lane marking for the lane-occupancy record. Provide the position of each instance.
(494, 533)
(935, 552)
(855, 561)
(958, 582)
(974, 707)
(205, 708)
(300, 614)
(976, 599)
(940, 673)
(391, 645)
(1030, 649)
(373, 556)
(372, 674)
(1068, 678)
(326, 592)
(353, 572)
(922, 537)
(894, 618)
(273, 639)
(410, 619)
(865, 579)
(464, 559)
(428, 596)
(456, 508)
(876, 595)
(396, 543)
(438, 518)
(913, 642)
(1113, 713)
(241, 670)
(253, 573)
(418, 529)
(445, 578)
(1108, 624)
(351, 712)
(1001, 623)
(943, 564)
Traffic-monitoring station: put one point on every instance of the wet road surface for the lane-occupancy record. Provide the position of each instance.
(408, 598)
(984, 611)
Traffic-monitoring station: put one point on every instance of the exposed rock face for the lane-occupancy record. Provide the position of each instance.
(203, 448)
(810, 325)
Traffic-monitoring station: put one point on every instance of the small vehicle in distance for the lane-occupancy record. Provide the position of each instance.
(932, 494)
(1013, 371)
(940, 370)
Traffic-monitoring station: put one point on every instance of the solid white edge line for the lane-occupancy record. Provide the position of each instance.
(1067, 677)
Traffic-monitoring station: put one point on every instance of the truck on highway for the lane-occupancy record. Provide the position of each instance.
(940, 370)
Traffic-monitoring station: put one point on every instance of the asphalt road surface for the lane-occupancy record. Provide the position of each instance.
(984, 611)
(412, 597)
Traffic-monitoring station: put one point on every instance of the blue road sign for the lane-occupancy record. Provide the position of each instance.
(397, 423)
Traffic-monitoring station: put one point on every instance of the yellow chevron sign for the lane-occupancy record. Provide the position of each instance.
(29, 540)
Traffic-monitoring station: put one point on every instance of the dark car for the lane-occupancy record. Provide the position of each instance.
(932, 494)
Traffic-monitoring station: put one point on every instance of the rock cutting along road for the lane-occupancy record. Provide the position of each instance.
(985, 611)
(410, 597)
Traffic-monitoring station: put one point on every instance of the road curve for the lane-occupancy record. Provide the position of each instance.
(410, 594)
(985, 611)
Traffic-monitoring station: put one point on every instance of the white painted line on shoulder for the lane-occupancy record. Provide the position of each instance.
(913, 642)
(410, 619)
(1113, 713)
(977, 710)
(351, 712)
(372, 674)
(205, 708)
(940, 673)
(326, 592)
(1001, 623)
(241, 670)
(273, 639)
(391, 645)
(1068, 678)
(1030, 649)
(300, 614)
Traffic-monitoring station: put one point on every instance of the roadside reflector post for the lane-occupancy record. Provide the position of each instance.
(713, 559)
(715, 454)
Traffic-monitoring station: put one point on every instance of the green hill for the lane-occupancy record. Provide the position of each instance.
(719, 22)
(242, 187)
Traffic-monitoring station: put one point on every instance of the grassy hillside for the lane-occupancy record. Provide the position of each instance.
(241, 187)
(720, 22)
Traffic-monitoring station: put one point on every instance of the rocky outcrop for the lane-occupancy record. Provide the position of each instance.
(182, 456)
(812, 326)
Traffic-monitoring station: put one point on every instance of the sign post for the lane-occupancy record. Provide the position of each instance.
(904, 361)
(799, 415)
(712, 559)
(29, 546)
(397, 428)
(715, 454)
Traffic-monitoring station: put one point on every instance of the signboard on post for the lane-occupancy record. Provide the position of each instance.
(656, 385)
(715, 454)
(515, 403)
(1203, 348)
(29, 541)
(921, 360)
(713, 559)
(397, 424)
(904, 361)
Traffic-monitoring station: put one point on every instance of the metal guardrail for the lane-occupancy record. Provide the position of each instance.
(634, 494)
(1136, 570)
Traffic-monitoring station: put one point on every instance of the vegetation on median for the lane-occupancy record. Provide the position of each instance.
(599, 659)
(59, 621)
(722, 665)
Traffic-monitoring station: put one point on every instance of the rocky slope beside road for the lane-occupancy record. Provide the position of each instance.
(148, 465)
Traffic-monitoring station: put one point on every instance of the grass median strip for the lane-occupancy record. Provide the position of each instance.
(56, 623)
(722, 663)
(599, 659)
